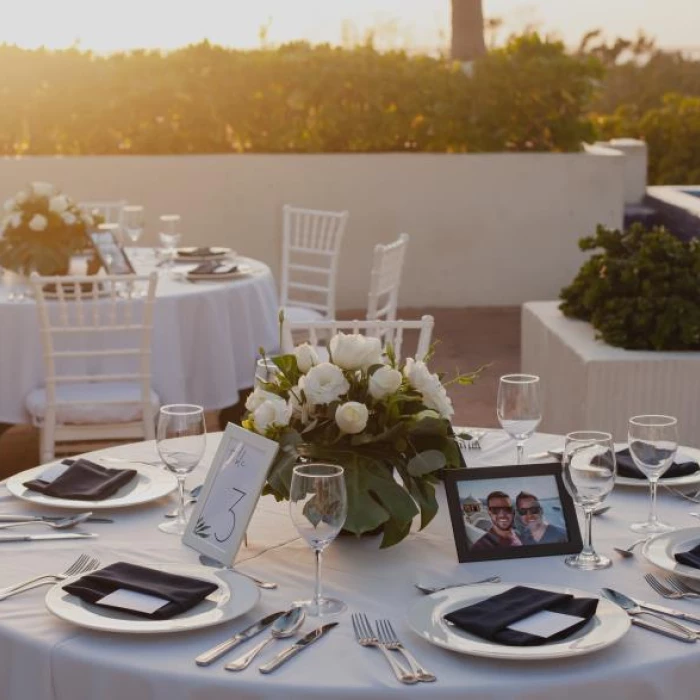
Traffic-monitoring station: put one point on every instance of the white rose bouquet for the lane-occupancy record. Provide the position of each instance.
(41, 229)
(374, 416)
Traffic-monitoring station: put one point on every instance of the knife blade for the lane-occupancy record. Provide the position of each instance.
(6, 518)
(51, 536)
(671, 612)
(303, 643)
(208, 657)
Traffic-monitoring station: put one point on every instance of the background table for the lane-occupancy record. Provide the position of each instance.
(206, 337)
(44, 658)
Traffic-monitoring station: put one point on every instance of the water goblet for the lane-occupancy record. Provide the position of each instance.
(653, 441)
(169, 236)
(318, 506)
(589, 475)
(180, 439)
(133, 221)
(518, 408)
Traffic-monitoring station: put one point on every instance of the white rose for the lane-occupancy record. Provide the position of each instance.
(38, 222)
(42, 189)
(384, 381)
(325, 383)
(21, 197)
(351, 417)
(300, 409)
(69, 218)
(258, 398)
(59, 203)
(355, 351)
(430, 387)
(306, 357)
(272, 413)
(9, 204)
(16, 220)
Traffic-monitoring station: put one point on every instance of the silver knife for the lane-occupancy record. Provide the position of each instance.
(208, 657)
(303, 643)
(52, 536)
(671, 612)
(6, 518)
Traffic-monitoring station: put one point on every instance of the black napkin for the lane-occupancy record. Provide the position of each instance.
(490, 618)
(627, 468)
(197, 252)
(213, 267)
(689, 558)
(84, 481)
(182, 592)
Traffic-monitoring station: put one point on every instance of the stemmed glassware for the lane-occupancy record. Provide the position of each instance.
(181, 439)
(518, 407)
(133, 221)
(318, 505)
(653, 441)
(169, 236)
(589, 469)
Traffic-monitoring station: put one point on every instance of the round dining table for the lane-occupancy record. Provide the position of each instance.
(205, 342)
(45, 658)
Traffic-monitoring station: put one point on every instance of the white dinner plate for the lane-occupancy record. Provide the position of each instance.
(242, 271)
(425, 617)
(149, 484)
(659, 551)
(684, 454)
(235, 596)
(216, 253)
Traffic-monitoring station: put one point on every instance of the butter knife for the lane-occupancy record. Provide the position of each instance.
(7, 518)
(51, 536)
(671, 612)
(208, 657)
(303, 643)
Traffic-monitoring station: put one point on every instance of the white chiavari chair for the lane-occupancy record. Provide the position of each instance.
(96, 338)
(310, 252)
(386, 279)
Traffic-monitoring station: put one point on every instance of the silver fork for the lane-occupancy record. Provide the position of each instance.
(82, 565)
(665, 591)
(693, 497)
(365, 637)
(682, 587)
(389, 638)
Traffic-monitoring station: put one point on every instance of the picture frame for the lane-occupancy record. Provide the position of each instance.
(511, 512)
(112, 256)
(226, 503)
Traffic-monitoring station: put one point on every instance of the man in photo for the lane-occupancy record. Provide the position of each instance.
(501, 533)
(536, 529)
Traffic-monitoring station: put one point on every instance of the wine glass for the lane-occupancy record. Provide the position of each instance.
(169, 236)
(518, 407)
(181, 438)
(133, 221)
(653, 441)
(265, 371)
(318, 505)
(589, 476)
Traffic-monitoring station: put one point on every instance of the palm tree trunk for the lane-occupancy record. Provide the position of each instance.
(467, 30)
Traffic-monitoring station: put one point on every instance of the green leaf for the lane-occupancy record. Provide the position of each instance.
(426, 462)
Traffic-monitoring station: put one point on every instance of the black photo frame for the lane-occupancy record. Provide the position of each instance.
(112, 256)
(467, 492)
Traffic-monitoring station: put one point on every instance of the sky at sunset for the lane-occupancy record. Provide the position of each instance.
(106, 25)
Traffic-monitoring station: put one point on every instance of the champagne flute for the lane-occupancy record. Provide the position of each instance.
(589, 476)
(318, 505)
(518, 408)
(181, 438)
(169, 236)
(653, 441)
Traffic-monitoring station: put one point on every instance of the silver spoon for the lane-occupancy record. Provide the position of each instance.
(627, 552)
(194, 493)
(209, 561)
(434, 589)
(56, 524)
(284, 626)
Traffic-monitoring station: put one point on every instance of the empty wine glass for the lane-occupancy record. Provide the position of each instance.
(518, 408)
(169, 236)
(181, 439)
(653, 441)
(133, 221)
(589, 476)
(318, 505)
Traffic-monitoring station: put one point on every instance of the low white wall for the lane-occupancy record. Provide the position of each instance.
(486, 229)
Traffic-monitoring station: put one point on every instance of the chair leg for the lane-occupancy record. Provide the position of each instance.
(47, 445)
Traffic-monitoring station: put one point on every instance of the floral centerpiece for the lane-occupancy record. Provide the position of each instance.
(369, 413)
(41, 230)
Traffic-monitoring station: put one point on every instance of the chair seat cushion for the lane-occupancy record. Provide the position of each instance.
(92, 407)
(297, 314)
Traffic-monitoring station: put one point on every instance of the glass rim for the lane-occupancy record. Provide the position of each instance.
(181, 409)
(132, 207)
(593, 435)
(335, 469)
(169, 217)
(520, 378)
(660, 420)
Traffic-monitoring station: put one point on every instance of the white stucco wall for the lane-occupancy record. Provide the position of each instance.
(486, 229)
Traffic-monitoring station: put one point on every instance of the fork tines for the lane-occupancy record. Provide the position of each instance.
(681, 586)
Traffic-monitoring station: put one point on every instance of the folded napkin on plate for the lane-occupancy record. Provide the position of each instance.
(490, 618)
(181, 592)
(198, 252)
(627, 468)
(83, 481)
(689, 558)
(213, 267)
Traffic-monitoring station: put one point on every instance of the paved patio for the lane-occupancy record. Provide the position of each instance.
(466, 338)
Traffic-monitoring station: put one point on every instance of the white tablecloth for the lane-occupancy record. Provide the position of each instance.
(206, 338)
(43, 658)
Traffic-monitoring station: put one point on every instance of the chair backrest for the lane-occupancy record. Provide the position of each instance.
(310, 249)
(391, 331)
(88, 321)
(110, 210)
(386, 279)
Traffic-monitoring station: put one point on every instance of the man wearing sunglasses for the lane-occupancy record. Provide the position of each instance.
(501, 533)
(536, 529)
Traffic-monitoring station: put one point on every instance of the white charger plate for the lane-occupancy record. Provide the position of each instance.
(235, 596)
(149, 484)
(659, 551)
(425, 618)
(684, 454)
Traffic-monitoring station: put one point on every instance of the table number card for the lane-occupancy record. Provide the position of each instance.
(229, 495)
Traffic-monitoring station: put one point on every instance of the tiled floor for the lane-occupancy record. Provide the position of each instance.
(466, 339)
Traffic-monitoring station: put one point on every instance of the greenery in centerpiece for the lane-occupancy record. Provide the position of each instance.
(41, 230)
(368, 412)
